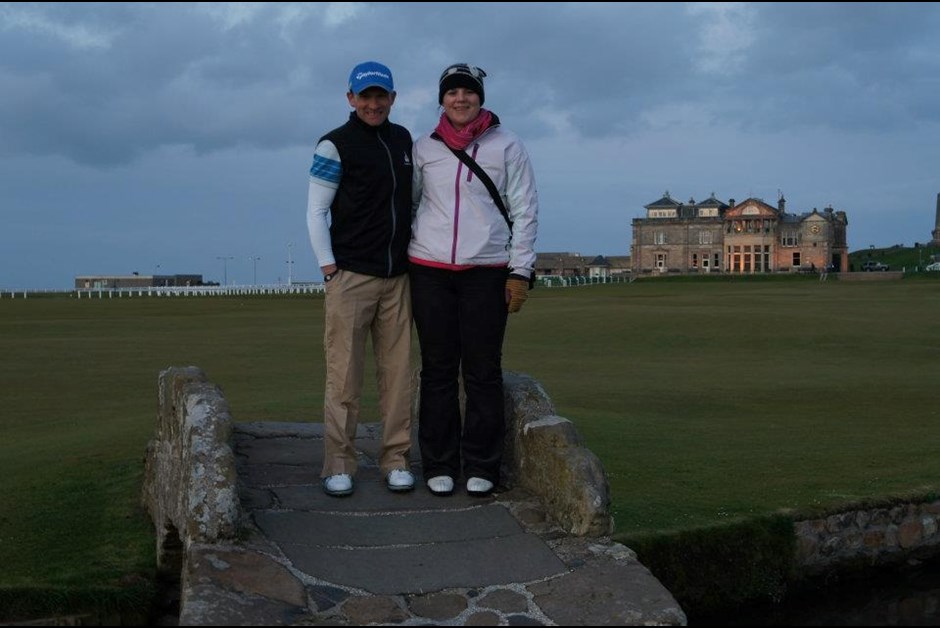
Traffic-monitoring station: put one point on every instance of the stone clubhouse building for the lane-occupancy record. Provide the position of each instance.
(741, 238)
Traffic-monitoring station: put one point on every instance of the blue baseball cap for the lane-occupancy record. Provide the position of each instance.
(370, 74)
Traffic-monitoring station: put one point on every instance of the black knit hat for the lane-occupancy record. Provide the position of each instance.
(461, 75)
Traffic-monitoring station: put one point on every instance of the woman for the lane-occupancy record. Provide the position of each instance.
(469, 268)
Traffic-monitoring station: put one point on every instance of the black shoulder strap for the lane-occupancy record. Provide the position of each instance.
(484, 178)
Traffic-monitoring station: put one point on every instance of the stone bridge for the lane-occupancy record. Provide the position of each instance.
(240, 517)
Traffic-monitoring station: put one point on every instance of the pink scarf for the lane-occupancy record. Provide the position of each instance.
(459, 140)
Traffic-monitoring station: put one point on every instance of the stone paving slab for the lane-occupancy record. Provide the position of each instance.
(275, 429)
(423, 568)
(377, 530)
(266, 475)
(606, 593)
(282, 450)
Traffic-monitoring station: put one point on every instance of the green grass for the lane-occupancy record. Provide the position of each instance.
(712, 401)
(708, 402)
(79, 405)
(898, 257)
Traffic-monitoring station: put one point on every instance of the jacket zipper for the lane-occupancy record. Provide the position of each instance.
(391, 165)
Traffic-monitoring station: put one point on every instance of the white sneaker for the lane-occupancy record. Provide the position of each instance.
(338, 485)
(400, 480)
(479, 486)
(441, 485)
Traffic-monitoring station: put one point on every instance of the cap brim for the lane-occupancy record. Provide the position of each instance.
(381, 86)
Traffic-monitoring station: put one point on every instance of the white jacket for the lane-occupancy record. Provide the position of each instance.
(457, 224)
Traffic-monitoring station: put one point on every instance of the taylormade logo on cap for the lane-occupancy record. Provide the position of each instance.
(363, 75)
(370, 74)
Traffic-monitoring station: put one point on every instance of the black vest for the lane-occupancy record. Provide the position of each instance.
(371, 213)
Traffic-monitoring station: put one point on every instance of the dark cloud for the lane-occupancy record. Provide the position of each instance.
(104, 85)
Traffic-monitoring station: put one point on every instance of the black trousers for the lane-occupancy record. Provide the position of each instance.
(461, 321)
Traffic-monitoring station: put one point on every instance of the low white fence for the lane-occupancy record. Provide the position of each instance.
(171, 291)
(548, 281)
(201, 291)
(556, 281)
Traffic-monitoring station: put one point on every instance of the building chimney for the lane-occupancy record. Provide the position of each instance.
(731, 202)
(782, 204)
(938, 212)
(936, 231)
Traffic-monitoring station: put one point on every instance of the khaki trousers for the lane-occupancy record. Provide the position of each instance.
(357, 305)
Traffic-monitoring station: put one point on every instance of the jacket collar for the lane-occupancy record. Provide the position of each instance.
(382, 128)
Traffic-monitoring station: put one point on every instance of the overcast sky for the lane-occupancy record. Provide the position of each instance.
(161, 138)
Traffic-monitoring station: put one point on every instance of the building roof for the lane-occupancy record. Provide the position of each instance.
(762, 207)
(619, 261)
(711, 201)
(543, 260)
(666, 202)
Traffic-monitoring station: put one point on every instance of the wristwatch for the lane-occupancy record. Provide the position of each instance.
(328, 276)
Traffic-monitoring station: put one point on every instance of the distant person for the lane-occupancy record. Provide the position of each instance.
(361, 178)
(469, 268)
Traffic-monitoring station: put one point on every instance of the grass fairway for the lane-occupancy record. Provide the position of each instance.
(706, 401)
(79, 400)
(713, 400)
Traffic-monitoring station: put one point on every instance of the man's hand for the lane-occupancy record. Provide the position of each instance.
(517, 291)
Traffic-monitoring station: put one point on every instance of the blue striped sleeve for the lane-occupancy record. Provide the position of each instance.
(326, 166)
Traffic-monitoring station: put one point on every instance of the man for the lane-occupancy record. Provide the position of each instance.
(361, 178)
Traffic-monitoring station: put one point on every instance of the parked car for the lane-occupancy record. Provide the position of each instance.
(873, 266)
(933, 267)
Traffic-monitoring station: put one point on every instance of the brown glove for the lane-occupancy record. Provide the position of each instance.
(517, 291)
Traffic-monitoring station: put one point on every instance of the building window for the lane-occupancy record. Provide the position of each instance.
(704, 237)
(790, 238)
(695, 261)
(659, 237)
(661, 261)
(796, 259)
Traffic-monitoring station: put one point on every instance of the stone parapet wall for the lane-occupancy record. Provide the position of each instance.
(875, 536)
(189, 477)
(544, 455)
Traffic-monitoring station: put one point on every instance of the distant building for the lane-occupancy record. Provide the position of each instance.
(744, 238)
(577, 265)
(605, 267)
(560, 264)
(113, 282)
(936, 231)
